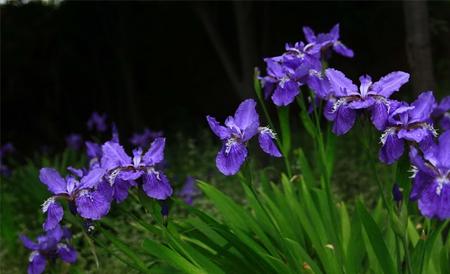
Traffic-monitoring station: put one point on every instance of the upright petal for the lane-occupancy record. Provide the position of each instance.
(334, 32)
(92, 179)
(266, 142)
(55, 214)
(414, 135)
(366, 82)
(392, 149)
(51, 178)
(286, 93)
(341, 85)
(246, 114)
(156, 185)
(345, 118)
(423, 106)
(114, 156)
(67, 253)
(93, 150)
(155, 153)
(309, 34)
(37, 263)
(390, 83)
(230, 158)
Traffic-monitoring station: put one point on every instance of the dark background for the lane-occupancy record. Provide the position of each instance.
(155, 64)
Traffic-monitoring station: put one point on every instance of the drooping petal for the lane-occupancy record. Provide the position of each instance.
(379, 115)
(92, 179)
(230, 158)
(328, 112)
(120, 189)
(51, 178)
(156, 185)
(345, 118)
(423, 107)
(246, 115)
(309, 34)
(443, 155)
(221, 131)
(286, 93)
(341, 85)
(266, 142)
(114, 156)
(67, 253)
(28, 243)
(392, 149)
(93, 204)
(37, 263)
(343, 50)
(420, 182)
(390, 83)
(155, 153)
(55, 214)
(435, 201)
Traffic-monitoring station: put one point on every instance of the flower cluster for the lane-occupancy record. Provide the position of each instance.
(5, 150)
(145, 138)
(400, 123)
(236, 133)
(89, 192)
(53, 244)
(301, 64)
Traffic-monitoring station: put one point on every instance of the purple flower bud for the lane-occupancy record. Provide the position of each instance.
(397, 193)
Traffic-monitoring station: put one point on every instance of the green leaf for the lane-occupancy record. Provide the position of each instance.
(173, 258)
(376, 240)
(135, 260)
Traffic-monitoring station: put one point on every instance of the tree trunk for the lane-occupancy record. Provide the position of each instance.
(418, 45)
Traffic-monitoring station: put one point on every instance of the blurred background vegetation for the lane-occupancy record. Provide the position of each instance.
(165, 66)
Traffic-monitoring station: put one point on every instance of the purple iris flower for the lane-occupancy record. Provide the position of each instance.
(286, 73)
(348, 99)
(123, 171)
(90, 195)
(407, 122)
(97, 122)
(189, 190)
(442, 113)
(6, 149)
(54, 244)
(238, 130)
(74, 141)
(324, 41)
(145, 138)
(431, 178)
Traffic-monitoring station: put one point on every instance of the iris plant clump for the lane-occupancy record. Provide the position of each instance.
(111, 171)
(90, 191)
